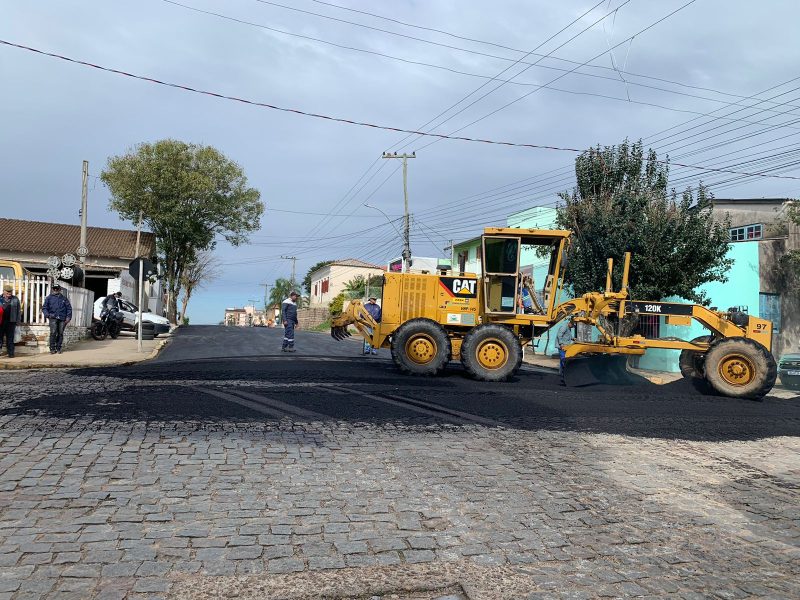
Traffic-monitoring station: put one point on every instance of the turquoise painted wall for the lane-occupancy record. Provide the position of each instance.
(741, 289)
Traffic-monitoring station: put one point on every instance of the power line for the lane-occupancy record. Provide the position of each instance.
(490, 78)
(641, 31)
(489, 43)
(362, 123)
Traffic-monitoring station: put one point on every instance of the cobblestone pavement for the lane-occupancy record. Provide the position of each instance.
(330, 477)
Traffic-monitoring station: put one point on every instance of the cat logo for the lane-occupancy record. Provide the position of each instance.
(461, 288)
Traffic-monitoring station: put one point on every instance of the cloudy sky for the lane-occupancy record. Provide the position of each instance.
(715, 84)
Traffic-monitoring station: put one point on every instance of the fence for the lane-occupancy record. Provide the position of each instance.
(32, 291)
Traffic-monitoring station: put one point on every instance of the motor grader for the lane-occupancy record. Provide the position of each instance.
(429, 319)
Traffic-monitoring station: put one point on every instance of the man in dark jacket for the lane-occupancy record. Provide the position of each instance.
(374, 310)
(12, 314)
(289, 320)
(58, 310)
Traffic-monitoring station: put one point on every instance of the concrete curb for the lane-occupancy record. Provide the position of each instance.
(86, 365)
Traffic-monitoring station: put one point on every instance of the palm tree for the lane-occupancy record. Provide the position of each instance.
(280, 291)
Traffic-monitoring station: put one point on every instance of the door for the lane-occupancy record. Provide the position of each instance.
(500, 274)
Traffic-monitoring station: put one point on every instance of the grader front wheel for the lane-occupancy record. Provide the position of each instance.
(421, 347)
(491, 353)
(740, 368)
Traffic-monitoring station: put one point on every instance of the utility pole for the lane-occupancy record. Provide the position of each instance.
(406, 219)
(138, 234)
(294, 264)
(83, 249)
(266, 287)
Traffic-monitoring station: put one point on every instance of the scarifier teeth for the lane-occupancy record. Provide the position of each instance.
(339, 333)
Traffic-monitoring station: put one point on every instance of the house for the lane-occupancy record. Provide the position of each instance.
(329, 281)
(760, 228)
(419, 264)
(110, 251)
(249, 316)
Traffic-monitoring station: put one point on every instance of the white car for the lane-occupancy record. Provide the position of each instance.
(130, 313)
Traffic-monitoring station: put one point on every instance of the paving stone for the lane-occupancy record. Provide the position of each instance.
(419, 556)
(151, 585)
(285, 565)
(244, 552)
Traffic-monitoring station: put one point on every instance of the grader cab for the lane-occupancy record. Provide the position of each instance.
(484, 321)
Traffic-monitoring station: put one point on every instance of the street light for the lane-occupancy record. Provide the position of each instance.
(387, 218)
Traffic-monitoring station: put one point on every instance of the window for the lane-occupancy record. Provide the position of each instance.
(324, 286)
(748, 232)
(769, 307)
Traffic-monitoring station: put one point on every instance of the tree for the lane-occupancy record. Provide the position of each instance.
(789, 264)
(201, 271)
(307, 278)
(337, 305)
(621, 203)
(187, 195)
(280, 291)
(357, 286)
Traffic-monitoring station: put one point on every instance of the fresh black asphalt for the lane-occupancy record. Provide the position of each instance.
(335, 381)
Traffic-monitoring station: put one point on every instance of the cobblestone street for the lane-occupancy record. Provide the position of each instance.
(335, 477)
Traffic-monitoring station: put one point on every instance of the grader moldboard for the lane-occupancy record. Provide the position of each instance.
(431, 318)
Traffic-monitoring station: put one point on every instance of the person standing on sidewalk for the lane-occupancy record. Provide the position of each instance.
(12, 314)
(375, 312)
(58, 310)
(289, 320)
(564, 338)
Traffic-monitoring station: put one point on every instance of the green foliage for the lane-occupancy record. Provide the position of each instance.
(621, 203)
(337, 305)
(187, 195)
(357, 286)
(185, 320)
(307, 278)
(280, 291)
(323, 327)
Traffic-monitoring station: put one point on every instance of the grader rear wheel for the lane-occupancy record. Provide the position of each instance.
(421, 347)
(491, 353)
(740, 368)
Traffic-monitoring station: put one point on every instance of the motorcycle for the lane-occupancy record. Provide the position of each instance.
(110, 323)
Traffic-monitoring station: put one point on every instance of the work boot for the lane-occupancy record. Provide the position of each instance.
(291, 350)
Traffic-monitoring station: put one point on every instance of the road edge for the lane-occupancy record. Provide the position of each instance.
(6, 366)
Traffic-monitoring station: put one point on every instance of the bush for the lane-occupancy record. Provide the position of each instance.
(337, 305)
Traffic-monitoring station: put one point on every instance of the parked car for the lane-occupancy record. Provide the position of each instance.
(130, 313)
(789, 370)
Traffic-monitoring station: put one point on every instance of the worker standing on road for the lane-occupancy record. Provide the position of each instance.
(12, 314)
(289, 320)
(58, 310)
(564, 338)
(375, 312)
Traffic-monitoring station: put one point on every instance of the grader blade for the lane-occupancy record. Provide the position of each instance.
(599, 369)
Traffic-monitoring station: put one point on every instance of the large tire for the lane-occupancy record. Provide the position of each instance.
(421, 347)
(691, 362)
(491, 352)
(740, 368)
(98, 331)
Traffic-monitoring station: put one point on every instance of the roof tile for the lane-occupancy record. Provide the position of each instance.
(17, 235)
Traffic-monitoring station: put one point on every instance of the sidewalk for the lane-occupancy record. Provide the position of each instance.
(544, 361)
(90, 353)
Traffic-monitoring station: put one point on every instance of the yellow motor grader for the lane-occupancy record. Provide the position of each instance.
(429, 319)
